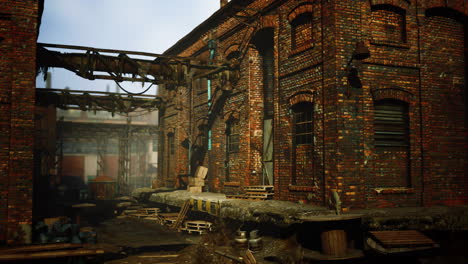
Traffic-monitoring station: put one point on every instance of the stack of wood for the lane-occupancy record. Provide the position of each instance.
(257, 192)
(195, 184)
(198, 226)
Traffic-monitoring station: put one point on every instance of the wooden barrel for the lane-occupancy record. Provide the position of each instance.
(334, 242)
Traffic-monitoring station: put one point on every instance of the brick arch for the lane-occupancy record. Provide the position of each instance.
(393, 93)
(268, 21)
(231, 115)
(301, 96)
(403, 4)
(232, 48)
(300, 9)
(448, 12)
(448, 5)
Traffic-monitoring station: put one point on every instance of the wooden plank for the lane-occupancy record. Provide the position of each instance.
(182, 214)
(40, 248)
(51, 254)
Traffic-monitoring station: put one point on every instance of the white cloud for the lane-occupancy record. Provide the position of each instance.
(141, 25)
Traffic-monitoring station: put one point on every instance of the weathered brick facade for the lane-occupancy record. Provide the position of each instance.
(361, 147)
(18, 34)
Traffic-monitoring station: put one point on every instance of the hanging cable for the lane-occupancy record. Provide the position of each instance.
(131, 92)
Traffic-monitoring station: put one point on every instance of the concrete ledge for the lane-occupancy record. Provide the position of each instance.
(268, 211)
(447, 218)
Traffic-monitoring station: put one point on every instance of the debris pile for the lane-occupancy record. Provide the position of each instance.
(61, 230)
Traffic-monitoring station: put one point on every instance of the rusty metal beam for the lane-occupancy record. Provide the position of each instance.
(161, 70)
(92, 101)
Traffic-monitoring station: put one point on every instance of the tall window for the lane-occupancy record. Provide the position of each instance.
(388, 24)
(391, 123)
(232, 133)
(301, 31)
(303, 144)
(171, 143)
(303, 123)
(391, 163)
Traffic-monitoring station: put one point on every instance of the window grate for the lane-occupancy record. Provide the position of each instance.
(391, 124)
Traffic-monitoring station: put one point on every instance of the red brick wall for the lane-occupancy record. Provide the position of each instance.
(405, 64)
(18, 31)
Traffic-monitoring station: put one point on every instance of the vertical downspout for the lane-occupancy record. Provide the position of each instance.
(212, 53)
(189, 132)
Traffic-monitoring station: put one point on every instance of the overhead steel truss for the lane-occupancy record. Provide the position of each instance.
(93, 101)
(87, 62)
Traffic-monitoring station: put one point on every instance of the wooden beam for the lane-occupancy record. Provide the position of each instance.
(51, 254)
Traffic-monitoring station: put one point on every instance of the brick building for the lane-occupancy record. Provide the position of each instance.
(310, 112)
(18, 34)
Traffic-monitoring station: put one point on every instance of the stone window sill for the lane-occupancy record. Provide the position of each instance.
(394, 190)
(301, 188)
(232, 184)
(390, 44)
(301, 49)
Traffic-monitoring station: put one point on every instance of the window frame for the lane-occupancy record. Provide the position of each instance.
(232, 139)
(398, 121)
(306, 124)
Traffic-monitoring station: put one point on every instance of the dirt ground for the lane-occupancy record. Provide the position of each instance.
(140, 241)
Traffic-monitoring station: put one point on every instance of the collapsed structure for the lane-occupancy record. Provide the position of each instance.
(354, 97)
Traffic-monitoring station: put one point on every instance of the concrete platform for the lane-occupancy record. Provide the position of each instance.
(271, 211)
(443, 218)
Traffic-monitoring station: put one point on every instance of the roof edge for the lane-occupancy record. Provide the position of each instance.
(213, 21)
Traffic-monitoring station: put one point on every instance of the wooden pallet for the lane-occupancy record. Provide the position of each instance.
(248, 197)
(198, 224)
(162, 217)
(260, 195)
(404, 238)
(259, 188)
(149, 211)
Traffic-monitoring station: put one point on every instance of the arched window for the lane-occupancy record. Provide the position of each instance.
(391, 123)
(301, 31)
(388, 24)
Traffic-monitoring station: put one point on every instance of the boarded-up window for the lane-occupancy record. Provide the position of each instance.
(301, 31)
(388, 24)
(391, 123)
(232, 132)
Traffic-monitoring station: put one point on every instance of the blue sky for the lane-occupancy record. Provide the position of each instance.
(138, 25)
